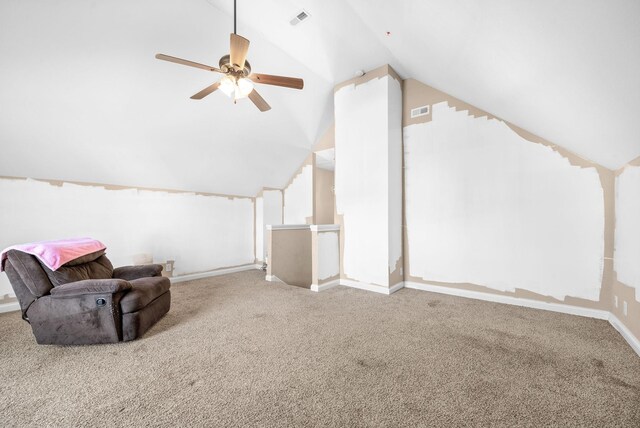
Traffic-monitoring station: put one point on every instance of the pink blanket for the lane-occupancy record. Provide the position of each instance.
(54, 254)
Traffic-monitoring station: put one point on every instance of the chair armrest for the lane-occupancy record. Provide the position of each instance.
(90, 286)
(134, 272)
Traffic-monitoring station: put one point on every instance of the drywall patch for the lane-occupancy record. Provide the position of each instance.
(272, 211)
(394, 170)
(627, 231)
(260, 229)
(486, 206)
(268, 211)
(364, 138)
(328, 255)
(201, 233)
(298, 197)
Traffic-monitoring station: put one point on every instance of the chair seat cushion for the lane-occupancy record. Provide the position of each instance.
(143, 291)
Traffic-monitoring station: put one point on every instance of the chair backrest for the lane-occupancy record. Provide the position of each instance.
(27, 277)
(31, 280)
(92, 266)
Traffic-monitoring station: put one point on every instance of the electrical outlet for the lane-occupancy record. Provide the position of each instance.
(624, 308)
(615, 301)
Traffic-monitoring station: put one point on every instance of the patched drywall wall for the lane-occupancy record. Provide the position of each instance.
(625, 300)
(272, 211)
(290, 258)
(298, 197)
(259, 229)
(627, 235)
(200, 232)
(324, 201)
(328, 255)
(486, 206)
(394, 171)
(368, 185)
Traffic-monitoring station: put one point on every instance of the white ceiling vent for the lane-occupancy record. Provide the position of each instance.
(419, 111)
(301, 16)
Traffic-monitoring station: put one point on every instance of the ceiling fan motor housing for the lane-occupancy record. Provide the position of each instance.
(227, 67)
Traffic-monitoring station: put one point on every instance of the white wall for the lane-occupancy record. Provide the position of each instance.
(328, 255)
(200, 233)
(485, 206)
(368, 177)
(298, 197)
(627, 235)
(394, 171)
(270, 213)
(260, 229)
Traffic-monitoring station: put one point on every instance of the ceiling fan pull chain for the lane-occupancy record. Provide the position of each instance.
(234, 17)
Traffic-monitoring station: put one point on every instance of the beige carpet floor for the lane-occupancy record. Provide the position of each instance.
(238, 351)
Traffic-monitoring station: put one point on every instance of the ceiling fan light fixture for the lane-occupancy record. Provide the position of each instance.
(236, 88)
(228, 85)
(243, 87)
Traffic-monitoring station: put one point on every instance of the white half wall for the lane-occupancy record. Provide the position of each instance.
(368, 185)
(487, 207)
(627, 234)
(298, 197)
(200, 233)
(328, 255)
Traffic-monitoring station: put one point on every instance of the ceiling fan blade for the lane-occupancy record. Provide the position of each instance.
(259, 101)
(238, 51)
(187, 62)
(206, 91)
(287, 82)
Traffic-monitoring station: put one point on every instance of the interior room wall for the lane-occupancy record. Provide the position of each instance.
(368, 178)
(272, 213)
(325, 251)
(201, 232)
(291, 255)
(323, 196)
(626, 285)
(492, 208)
(259, 228)
(298, 195)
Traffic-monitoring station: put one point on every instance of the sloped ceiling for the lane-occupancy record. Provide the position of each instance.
(82, 97)
(564, 70)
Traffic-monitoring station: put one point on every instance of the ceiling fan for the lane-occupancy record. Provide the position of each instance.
(238, 80)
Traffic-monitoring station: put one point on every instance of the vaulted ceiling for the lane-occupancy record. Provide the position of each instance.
(82, 97)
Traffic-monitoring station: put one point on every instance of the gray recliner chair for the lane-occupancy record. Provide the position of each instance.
(87, 301)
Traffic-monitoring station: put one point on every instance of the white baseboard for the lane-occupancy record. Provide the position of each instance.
(317, 288)
(527, 303)
(273, 278)
(625, 332)
(9, 307)
(396, 287)
(218, 272)
(371, 287)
